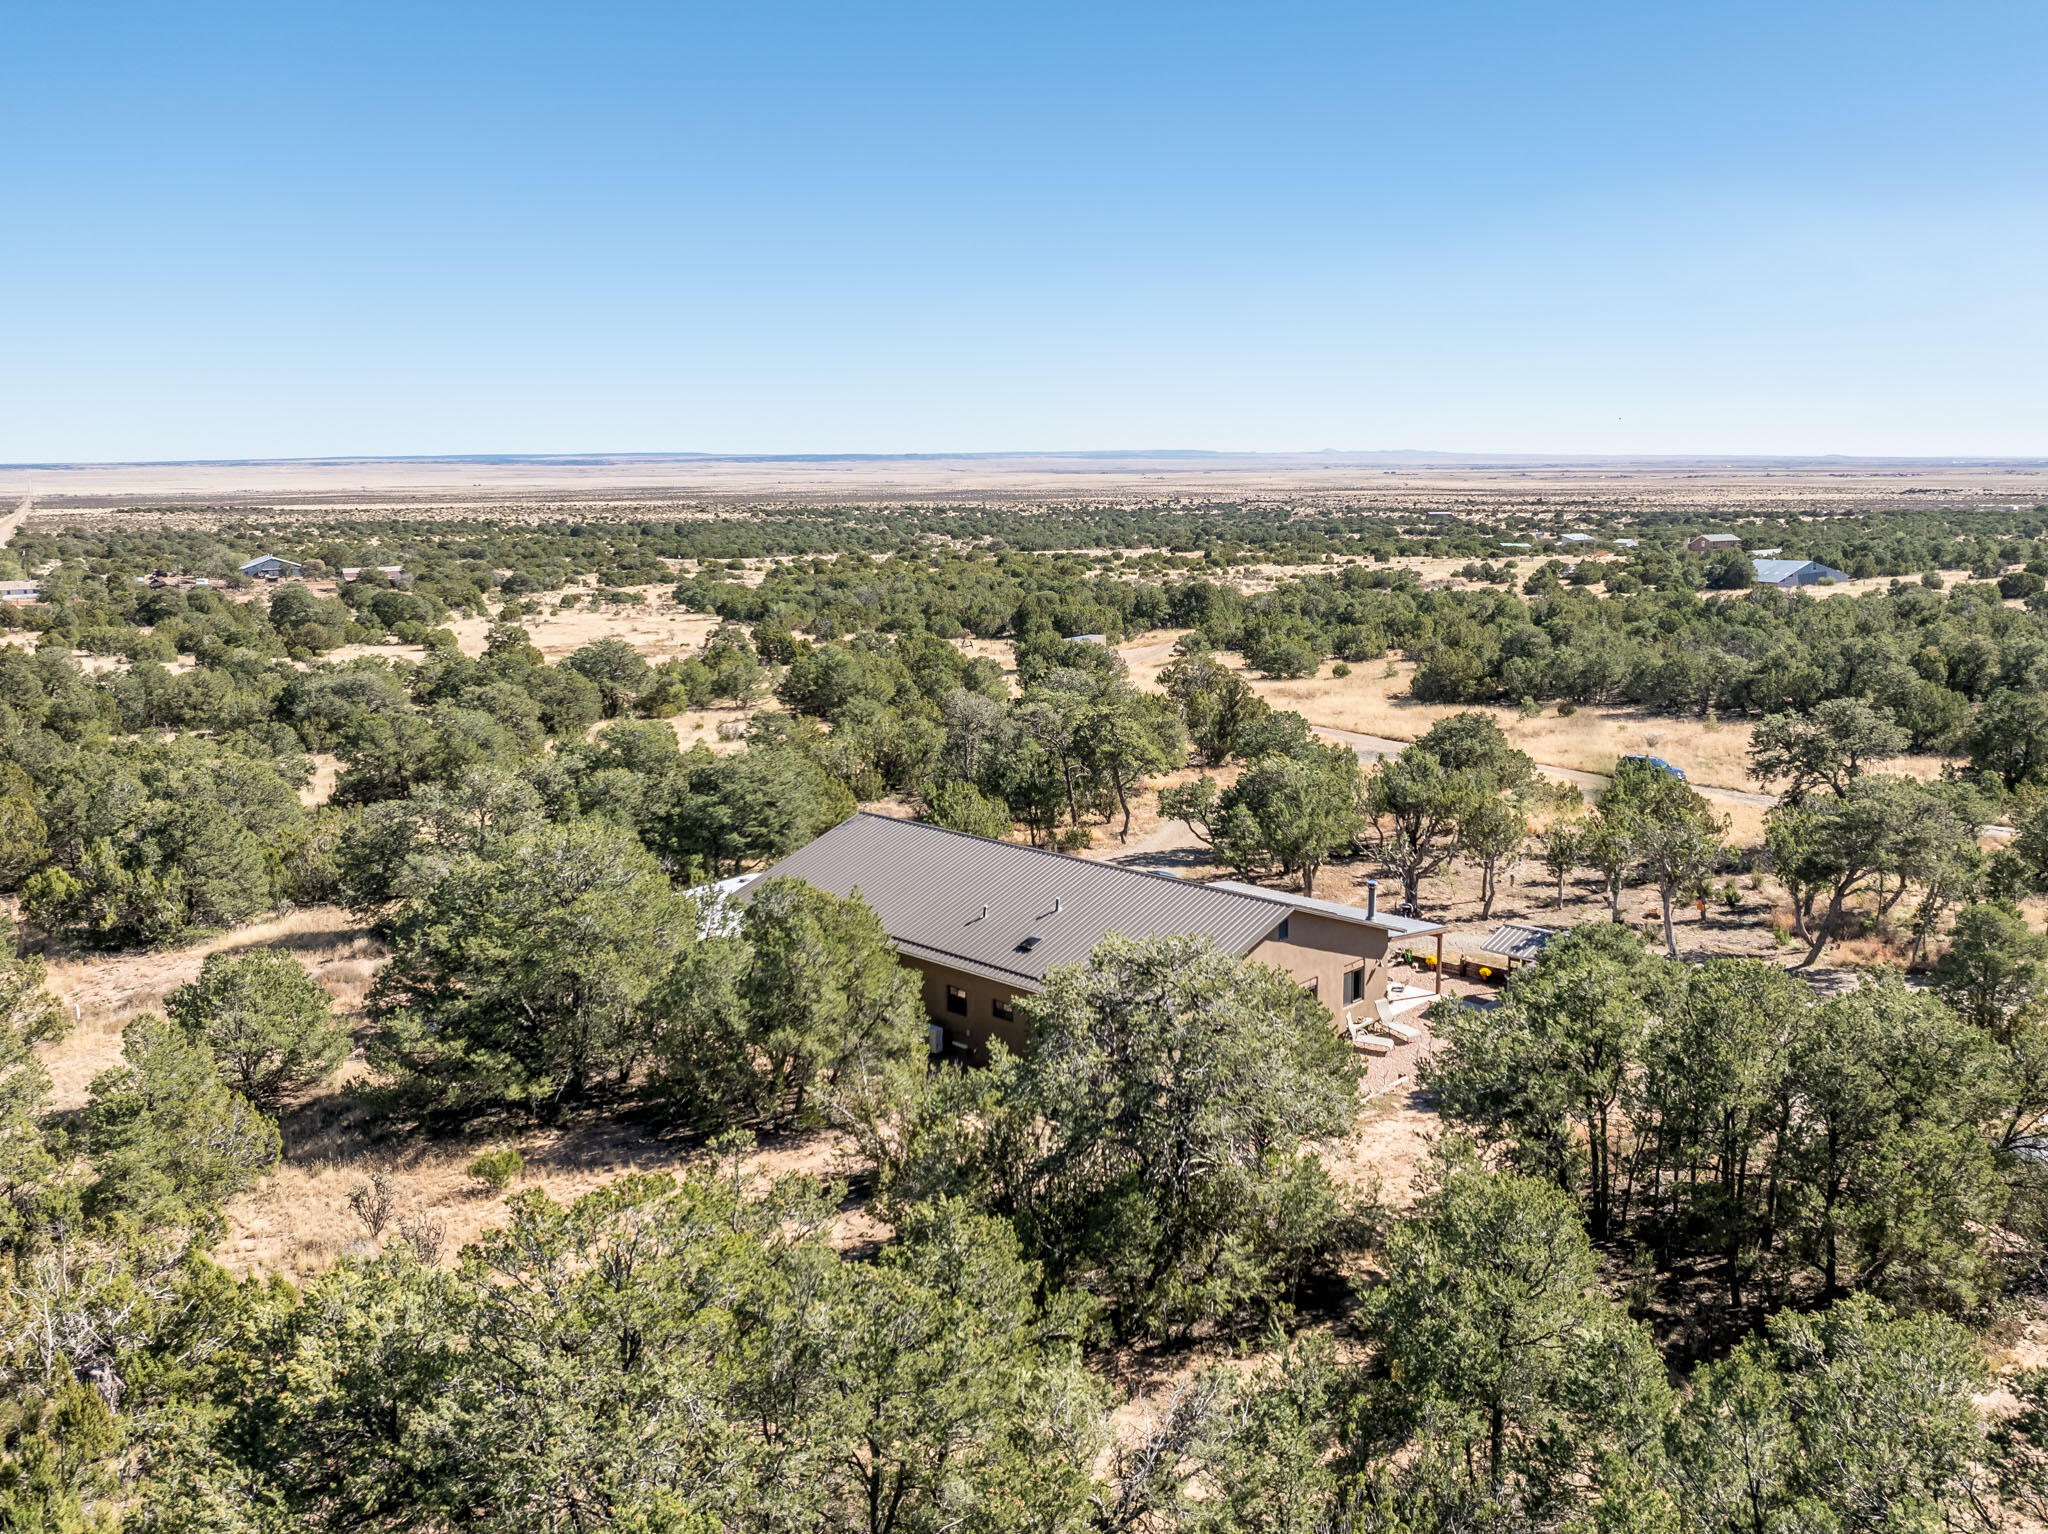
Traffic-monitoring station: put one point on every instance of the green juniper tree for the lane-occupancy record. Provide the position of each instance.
(269, 1024)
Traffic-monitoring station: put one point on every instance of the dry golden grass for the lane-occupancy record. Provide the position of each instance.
(298, 1220)
(103, 991)
(1374, 700)
(1745, 823)
(1150, 832)
(1882, 583)
(656, 627)
(723, 729)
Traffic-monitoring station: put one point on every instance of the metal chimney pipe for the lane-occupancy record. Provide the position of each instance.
(1372, 897)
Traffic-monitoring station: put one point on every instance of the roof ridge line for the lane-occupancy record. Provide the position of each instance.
(1057, 857)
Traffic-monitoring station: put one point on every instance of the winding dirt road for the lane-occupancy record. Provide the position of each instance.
(11, 523)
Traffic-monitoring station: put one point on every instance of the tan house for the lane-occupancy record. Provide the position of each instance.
(1711, 543)
(983, 921)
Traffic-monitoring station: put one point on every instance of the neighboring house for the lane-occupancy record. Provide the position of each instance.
(21, 591)
(1439, 516)
(983, 921)
(1713, 543)
(1627, 543)
(392, 573)
(1577, 538)
(1765, 553)
(1788, 573)
(270, 567)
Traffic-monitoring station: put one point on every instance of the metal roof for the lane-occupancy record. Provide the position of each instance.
(1773, 571)
(1517, 940)
(1399, 926)
(929, 886)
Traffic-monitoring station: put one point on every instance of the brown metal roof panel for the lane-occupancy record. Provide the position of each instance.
(1395, 926)
(995, 972)
(980, 902)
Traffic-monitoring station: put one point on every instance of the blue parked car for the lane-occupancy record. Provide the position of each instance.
(1659, 763)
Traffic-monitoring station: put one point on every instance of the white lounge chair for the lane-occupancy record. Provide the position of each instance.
(1372, 1043)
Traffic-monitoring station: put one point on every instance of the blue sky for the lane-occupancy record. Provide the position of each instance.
(283, 230)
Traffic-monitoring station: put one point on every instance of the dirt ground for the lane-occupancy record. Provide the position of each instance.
(103, 991)
(655, 626)
(299, 1219)
(1373, 700)
(1388, 1149)
(1475, 488)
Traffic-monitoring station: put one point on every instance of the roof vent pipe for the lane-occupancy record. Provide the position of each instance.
(1055, 906)
(1372, 898)
(984, 913)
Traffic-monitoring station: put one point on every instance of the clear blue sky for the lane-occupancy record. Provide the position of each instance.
(297, 229)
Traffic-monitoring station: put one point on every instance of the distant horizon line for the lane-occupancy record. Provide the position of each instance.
(1410, 455)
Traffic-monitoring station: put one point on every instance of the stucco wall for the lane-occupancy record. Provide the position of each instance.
(1317, 948)
(968, 1034)
(1322, 949)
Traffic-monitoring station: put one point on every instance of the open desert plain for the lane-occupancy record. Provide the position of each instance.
(487, 573)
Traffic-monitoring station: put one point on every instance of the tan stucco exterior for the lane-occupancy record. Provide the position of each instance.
(1318, 951)
(968, 1032)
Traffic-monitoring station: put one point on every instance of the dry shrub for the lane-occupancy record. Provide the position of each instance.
(424, 1234)
(1866, 948)
(374, 1201)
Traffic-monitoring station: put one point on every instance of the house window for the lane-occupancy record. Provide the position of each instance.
(1002, 1008)
(1354, 985)
(1314, 987)
(1280, 932)
(956, 1000)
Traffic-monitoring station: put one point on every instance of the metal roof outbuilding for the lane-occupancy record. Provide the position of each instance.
(1518, 940)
